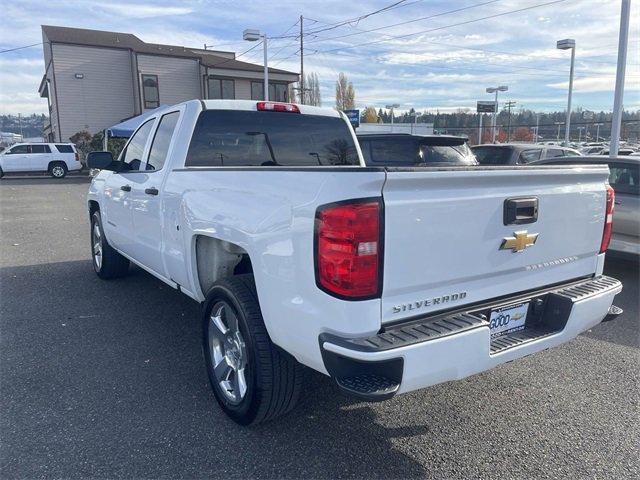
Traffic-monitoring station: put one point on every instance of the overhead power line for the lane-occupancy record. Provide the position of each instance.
(20, 48)
(496, 15)
(355, 19)
(384, 27)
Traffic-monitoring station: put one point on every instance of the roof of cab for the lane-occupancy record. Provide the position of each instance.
(251, 105)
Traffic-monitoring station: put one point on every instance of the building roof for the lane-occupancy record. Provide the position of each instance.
(101, 38)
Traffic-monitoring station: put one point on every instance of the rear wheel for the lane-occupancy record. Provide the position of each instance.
(107, 262)
(58, 170)
(252, 380)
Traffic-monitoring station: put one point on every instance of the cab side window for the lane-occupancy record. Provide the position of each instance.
(528, 156)
(19, 149)
(162, 140)
(131, 156)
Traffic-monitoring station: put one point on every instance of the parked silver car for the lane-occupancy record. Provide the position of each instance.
(518, 153)
(625, 180)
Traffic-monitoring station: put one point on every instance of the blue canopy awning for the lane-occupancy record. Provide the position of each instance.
(125, 129)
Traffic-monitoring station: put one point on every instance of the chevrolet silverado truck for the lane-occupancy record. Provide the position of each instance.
(387, 279)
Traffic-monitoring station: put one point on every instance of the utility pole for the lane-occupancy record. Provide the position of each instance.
(620, 74)
(509, 104)
(301, 62)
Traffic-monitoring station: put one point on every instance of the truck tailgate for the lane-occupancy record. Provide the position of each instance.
(444, 230)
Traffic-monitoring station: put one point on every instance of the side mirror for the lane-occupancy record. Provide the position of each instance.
(100, 161)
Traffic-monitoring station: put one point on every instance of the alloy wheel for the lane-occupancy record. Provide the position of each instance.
(96, 241)
(228, 352)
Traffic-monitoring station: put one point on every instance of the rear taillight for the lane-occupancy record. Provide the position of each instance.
(77, 157)
(277, 107)
(349, 249)
(608, 220)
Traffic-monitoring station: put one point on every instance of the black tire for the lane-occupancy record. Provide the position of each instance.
(58, 169)
(112, 264)
(274, 379)
(1, 173)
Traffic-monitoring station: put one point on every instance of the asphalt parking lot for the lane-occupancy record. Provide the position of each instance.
(105, 379)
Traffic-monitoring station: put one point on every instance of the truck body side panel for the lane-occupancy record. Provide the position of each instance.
(271, 215)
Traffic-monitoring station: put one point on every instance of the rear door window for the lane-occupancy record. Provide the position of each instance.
(64, 148)
(625, 178)
(39, 148)
(162, 140)
(395, 152)
(448, 154)
(232, 138)
(555, 152)
(365, 147)
(528, 156)
(490, 155)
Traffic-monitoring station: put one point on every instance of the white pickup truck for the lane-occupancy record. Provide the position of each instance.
(386, 279)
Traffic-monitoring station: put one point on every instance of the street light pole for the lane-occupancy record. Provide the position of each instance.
(620, 74)
(567, 44)
(391, 107)
(252, 35)
(598, 131)
(558, 134)
(501, 88)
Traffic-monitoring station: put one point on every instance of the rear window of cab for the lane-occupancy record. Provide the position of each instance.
(235, 138)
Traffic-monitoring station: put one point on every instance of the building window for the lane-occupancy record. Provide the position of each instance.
(222, 89)
(277, 91)
(150, 91)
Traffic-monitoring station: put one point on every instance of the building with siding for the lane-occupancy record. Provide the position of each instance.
(94, 79)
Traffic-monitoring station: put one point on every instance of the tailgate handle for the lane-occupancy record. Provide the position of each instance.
(519, 211)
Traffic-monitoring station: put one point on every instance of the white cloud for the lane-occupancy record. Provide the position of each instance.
(130, 10)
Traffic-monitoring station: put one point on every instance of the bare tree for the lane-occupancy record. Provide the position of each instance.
(312, 85)
(345, 94)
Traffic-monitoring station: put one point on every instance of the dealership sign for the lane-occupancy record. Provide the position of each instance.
(353, 116)
(486, 107)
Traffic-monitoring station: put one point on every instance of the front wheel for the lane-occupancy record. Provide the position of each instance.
(107, 262)
(252, 380)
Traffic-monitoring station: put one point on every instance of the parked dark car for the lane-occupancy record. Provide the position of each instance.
(406, 150)
(518, 153)
(625, 180)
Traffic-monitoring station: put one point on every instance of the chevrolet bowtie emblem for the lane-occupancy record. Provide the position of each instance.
(519, 241)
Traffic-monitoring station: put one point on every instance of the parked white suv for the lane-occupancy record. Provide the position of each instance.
(55, 158)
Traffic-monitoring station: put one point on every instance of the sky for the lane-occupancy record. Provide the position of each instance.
(422, 54)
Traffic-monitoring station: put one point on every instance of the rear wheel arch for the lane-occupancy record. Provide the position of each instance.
(215, 259)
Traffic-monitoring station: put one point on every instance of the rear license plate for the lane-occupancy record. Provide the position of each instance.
(508, 319)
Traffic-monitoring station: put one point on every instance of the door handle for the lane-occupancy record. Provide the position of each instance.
(151, 191)
(125, 188)
(519, 211)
